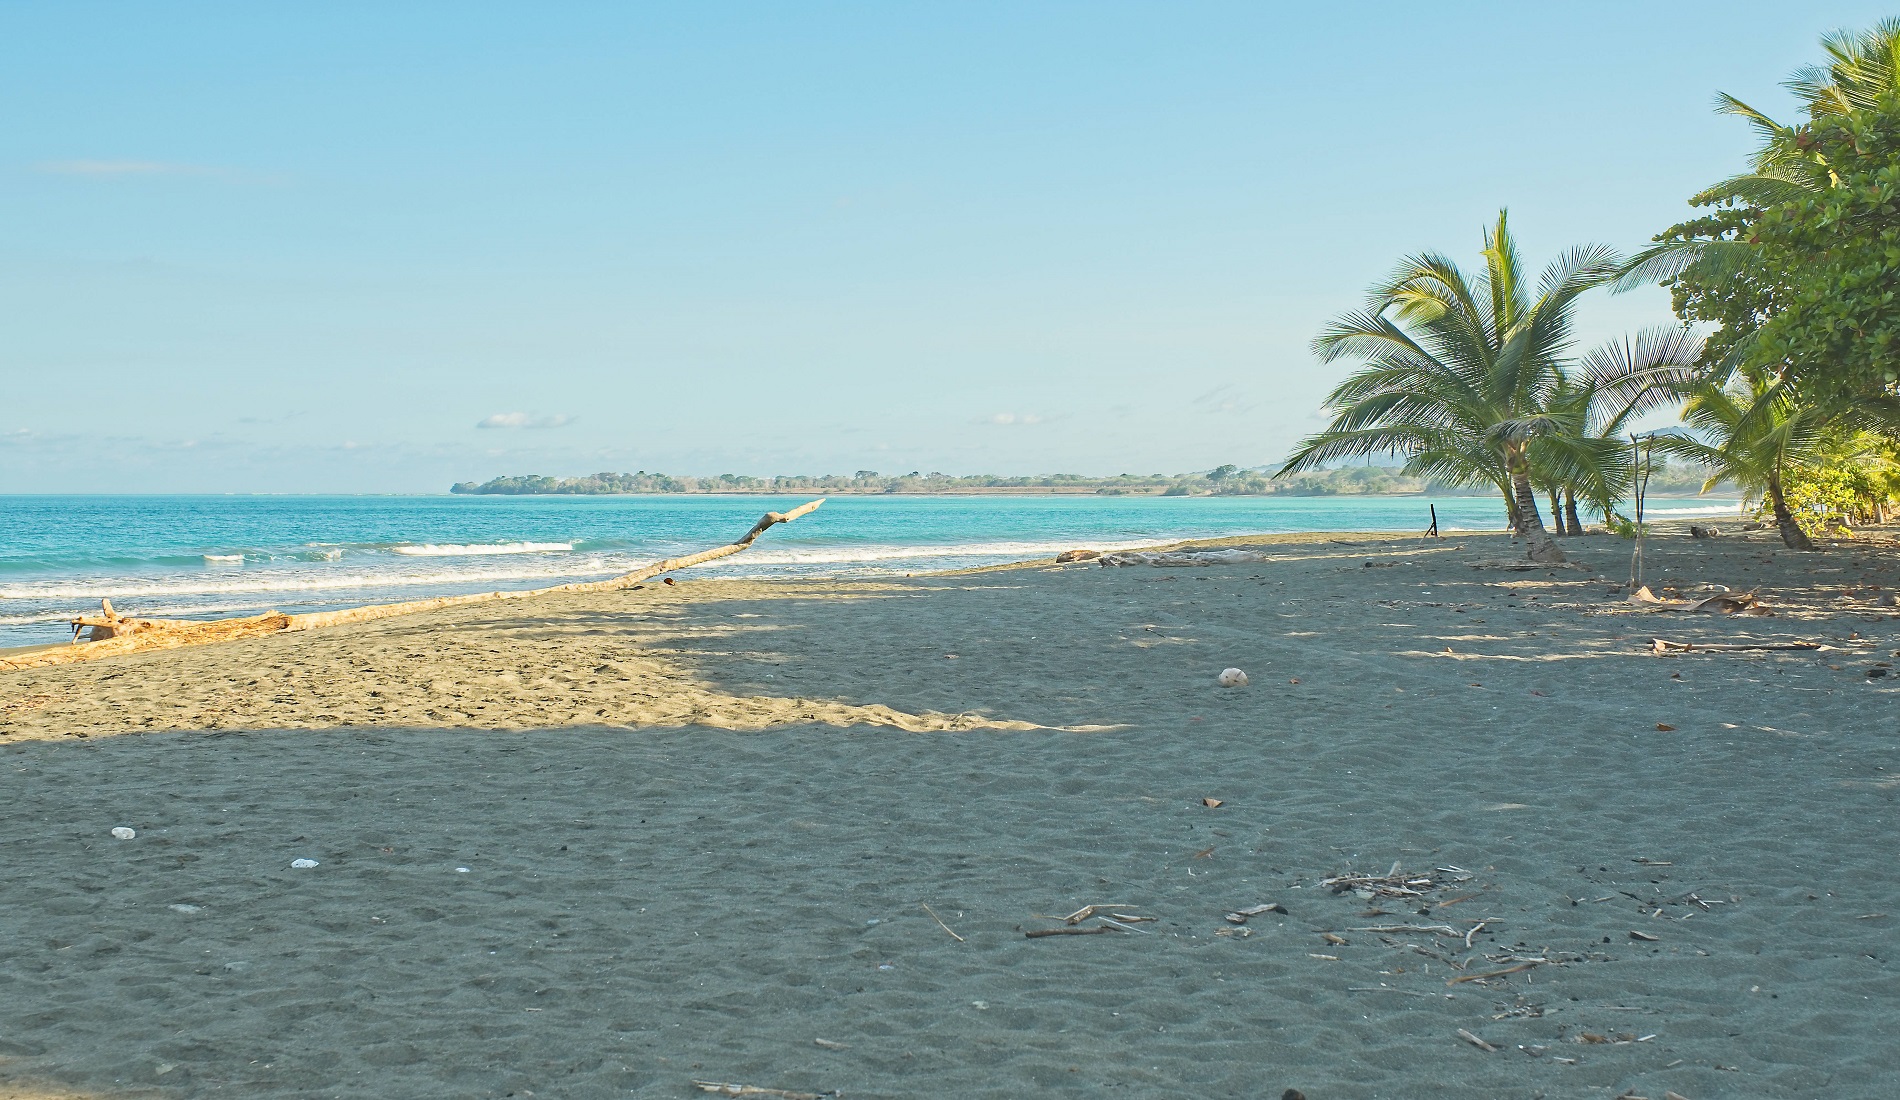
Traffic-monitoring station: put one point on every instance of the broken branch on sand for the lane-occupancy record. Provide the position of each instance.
(1727, 603)
(1067, 930)
(111, 634)
(1664, 645)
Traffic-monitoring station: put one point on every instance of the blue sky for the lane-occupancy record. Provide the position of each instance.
(384, 247)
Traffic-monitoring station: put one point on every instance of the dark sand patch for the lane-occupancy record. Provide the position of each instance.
(644, 907)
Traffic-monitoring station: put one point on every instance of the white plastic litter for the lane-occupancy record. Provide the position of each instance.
(302, 863)
(1232, 678)
(184, 908)
(124, 833)
(461, 870)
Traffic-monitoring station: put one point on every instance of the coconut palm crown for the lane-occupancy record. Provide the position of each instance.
(1467, 377)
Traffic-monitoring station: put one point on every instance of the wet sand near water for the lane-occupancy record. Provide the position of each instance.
(730, 863)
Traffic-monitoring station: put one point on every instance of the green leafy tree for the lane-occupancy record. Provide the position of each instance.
(1793, 262)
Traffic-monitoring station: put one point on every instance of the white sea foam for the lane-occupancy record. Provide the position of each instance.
(1651, 512)
(458, 550)
(224, 559)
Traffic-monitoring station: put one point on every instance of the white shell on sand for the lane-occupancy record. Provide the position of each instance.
(303, 863)
(1232, 678)
(124, 833)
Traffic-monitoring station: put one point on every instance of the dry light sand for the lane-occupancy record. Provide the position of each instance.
(699, 823)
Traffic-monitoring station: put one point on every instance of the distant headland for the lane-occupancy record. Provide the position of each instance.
(1220, 481)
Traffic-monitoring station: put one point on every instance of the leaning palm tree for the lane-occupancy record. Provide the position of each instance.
(1757, 431)
(1460, 371)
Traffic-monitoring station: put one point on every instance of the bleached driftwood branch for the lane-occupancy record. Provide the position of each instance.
(110, 633)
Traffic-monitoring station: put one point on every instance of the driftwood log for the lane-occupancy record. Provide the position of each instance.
(110, 634)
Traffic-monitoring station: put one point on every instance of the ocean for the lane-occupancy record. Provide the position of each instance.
(212, 556)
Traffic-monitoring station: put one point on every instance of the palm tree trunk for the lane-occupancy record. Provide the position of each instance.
(1792, 536)
(1556, 511)
(1511, 522)
(1542, 548)
(1574, 525)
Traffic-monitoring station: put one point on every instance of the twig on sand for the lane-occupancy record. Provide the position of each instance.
(1088, 911)
(1435, 929)
(724, 1089)
(940, 924)
(1490, 974)
(1475, 1041)
(1069, 930)
(1125, 927)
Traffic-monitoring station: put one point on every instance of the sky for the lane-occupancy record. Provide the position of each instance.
(371, 247)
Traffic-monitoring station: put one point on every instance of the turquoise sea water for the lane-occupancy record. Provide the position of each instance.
(221, 555)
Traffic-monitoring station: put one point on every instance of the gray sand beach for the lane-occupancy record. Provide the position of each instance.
(613, 845)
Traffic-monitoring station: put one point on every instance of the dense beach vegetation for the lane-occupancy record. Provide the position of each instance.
(1784, 369)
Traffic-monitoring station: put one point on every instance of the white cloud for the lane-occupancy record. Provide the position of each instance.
(118, 168)
(1015, 418)
(1225, 398)
(525, 420)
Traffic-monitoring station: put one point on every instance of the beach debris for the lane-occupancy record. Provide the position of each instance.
(1179, 558)
(1239, 916)
(829, 1045)
(724, 1089)
(667, 580)
(1091, 930)
(1293, 1094)
(124, 833)
(1213, 803)
(940, 924)
(184, 907)
(1476, 1042)
(1415, 929)
(1664, 645)
(1664, 727)
(1489, 974)
(1396, 883)
(461, 870)
(126, 634)
(1077, 555)
(303, 864)
(1124, 927)
(1698, 532)
(1644, 936)
(1335, 939)
(1088, 911)
(1232, 678)
(1726, 603)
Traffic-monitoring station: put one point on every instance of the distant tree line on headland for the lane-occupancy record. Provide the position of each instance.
(1220, 481)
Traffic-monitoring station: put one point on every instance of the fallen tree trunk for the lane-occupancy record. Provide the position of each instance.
(114, 634)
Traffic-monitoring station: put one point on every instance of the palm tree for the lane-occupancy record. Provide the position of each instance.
(1759, 430)
(1460, 371)
(1584, 453)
